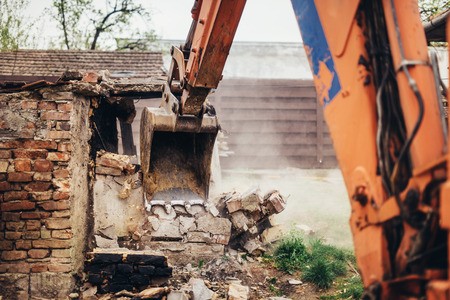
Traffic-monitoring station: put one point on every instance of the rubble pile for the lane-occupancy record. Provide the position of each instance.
(114, 272)
(250, 215)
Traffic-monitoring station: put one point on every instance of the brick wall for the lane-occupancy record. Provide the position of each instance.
(43, 191)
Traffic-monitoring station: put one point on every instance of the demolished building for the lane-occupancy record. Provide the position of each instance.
(72, 209)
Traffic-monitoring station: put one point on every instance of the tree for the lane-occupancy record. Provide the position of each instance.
(14, 30)
(84, 25)
(430, 8)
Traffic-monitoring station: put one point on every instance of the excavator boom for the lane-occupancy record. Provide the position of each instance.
(380, 95)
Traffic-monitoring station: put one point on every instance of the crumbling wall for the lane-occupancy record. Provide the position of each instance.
(44, 156)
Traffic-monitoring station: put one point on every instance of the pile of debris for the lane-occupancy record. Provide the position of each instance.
(251, 217)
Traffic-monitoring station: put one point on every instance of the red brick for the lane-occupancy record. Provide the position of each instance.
(22, 165)
(59, 268)
(33, 225)
(65, 106)
(55, 115)
(47, 105)
(5, 154)
(11, 216)
(16, 195)
(12, 235)
(51, 244)
(29, 104)
(58, 223)
(42, 176)
(58, 135)
(62, 234)
(23, 244)
(13, 255)
(20, 267)
(10, 145)
(61, 214)
(39, 186)
(6, 245)
(41, 196)
(65, 253)
(58, 156)
(35, 144)
(39, 268)
(60, 195)
(17, 205)
(30, 215)
(15, 226)
(30, 153)
(20, 177)
(63, 173)
(31, 235)
(65, 147)
(5, 186)
(55, 205)
(38, 253)
(43, 165)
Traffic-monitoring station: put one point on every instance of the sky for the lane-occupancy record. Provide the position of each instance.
(262, 20)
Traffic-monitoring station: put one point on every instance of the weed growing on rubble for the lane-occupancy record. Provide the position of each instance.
(291, 254)
(319, 263)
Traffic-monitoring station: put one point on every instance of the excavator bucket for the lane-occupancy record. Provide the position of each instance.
(176, 154)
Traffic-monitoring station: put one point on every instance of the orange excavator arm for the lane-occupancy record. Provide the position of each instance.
(198, 64)
(380, 98)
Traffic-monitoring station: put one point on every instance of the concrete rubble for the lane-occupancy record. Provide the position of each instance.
(199, 228)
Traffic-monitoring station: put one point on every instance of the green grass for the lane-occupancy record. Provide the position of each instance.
(319, 263)
(291, 254)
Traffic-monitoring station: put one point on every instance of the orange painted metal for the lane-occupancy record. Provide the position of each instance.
(352, 119)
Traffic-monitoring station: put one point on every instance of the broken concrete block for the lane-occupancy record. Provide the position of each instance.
(254, 247)
(199, 290)
(220, 239)
(169, 230)
(272, 234)
(107, 171)
(212, 209)
(108, 232)
(115, 161)
(198, 237)
(105, 243)
(177, 295)
(154, 222)
(251, 200)
(240, 221)
(187, 224)
(238, 292)
(274, 202)
(233, 204)
(208, 223)
(126, 189)
(162, 214)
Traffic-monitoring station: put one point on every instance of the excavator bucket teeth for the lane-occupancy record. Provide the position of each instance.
(176, 154)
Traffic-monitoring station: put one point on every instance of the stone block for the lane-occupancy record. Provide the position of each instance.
(198, 237)
(125, 268)
(252, 200)
(57, 223)
(238, 292)
(146, 259)
(51, 285)
(146, 270)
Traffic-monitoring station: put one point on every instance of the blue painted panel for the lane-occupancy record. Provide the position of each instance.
(318, 49)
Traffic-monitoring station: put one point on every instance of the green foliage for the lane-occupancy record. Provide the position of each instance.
(319, 272)
(291, 254)
(86, 25)
(319, 263)
(430, 8)
(14, 27)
